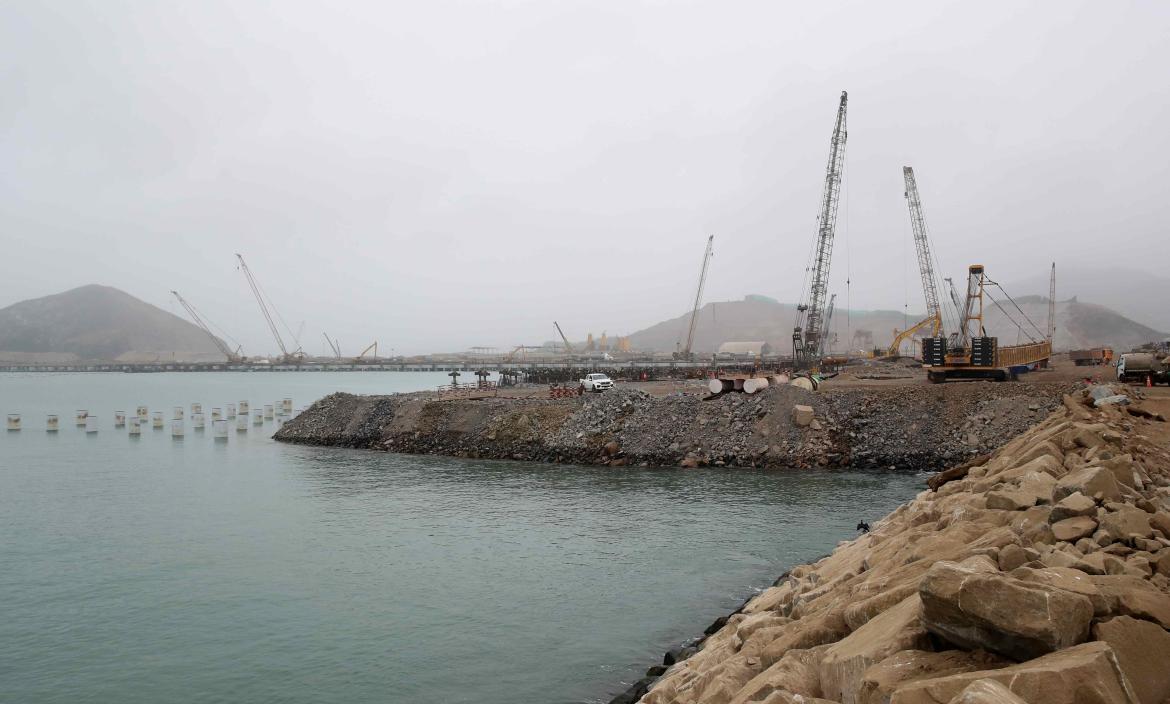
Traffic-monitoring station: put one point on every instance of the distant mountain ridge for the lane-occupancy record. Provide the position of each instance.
(756, 317)
(98, 323)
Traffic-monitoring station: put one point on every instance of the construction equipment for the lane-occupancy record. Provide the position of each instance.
(568, 347)
(825, 343)
(934, 314)
(285, 357)
(333, 345)
(372, 346)
(806, 335)
(972, 354)
(232, 357)
(684, 352)
(1095, 357)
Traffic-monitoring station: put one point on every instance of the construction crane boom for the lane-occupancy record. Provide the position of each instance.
(1052, 306)
(922, 245)
(806, 336)
(828, 326)
(686, 351)
(220, 344)
(372, 346)
(263, 307)
(333, 345)
(568, 347)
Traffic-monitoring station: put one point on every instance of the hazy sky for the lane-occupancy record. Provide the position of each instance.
(436, 175)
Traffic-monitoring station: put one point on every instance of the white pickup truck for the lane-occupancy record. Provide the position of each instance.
(596, 382)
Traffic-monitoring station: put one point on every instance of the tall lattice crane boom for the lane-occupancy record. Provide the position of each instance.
(568, 347)
(806, 336)
(1052, 306)
(263, 307)
(686, 351)
(922, 245)
(828, 326)
(220, 344)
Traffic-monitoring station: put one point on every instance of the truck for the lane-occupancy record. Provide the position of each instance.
(1142, 366)
(1094, 357)
(596, 382)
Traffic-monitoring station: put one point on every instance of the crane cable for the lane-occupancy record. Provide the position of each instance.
(1018, 325)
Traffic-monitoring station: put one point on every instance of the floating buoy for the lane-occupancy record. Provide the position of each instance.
(91, 424)
(197, 421)
(14, 421)
(52, 424)
(156, 420)
(220, 428)
(119, 419)
(135, 427)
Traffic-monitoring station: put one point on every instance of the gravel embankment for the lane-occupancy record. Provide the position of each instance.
(904, 427)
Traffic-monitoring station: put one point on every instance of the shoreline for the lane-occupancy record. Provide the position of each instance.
(880, 619)
(915, 428)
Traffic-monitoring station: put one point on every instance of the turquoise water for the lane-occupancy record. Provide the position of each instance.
(161, 570)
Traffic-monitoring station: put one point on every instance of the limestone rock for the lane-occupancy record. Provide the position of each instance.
(1126, 522)
(1082, 674)
(844, 664)
(1010, 500)
(1070, 580)
(1072, 529)
(883, 678)
(986, 692)
(999, 613)
(1012, 556)
(1071, 506)
(795, 673)
(802, 416)
(1135, 597)
(1143, 649)
(1161, 521)
(1095, 482)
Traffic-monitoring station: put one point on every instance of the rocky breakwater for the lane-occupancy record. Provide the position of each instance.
(907, 427)
(1040, 574)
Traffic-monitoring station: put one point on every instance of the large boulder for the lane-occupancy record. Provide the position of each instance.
(1082, 674)
(1135, 597)
(1143, 650)
(1070, 580)
(1073, 529)
(795, 673)
(803, 416)
(995, 612)
(1126, 522)
(881, 680)
(1097, 483)
(1071, 506)
(987, 692)
(845, 662)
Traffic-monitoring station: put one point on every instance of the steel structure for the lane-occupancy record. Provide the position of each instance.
(1052, 305)
(284, 353)
(568, 347)
(825, 347)
(685, 353)
(806, 335)
(922, 245)
(232, 357)
(333, 345)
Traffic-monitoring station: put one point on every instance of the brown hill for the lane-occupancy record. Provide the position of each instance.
(98, 323)
(760, 318)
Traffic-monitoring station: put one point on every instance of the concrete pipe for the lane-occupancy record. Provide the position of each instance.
(716, 386)
(802, 382)
(750, 386)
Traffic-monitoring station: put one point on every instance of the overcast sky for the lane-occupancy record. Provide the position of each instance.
(437, 175)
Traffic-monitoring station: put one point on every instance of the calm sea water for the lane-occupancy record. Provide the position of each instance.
(159, 570)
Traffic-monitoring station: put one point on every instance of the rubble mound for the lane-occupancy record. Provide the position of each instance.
(1039, 573)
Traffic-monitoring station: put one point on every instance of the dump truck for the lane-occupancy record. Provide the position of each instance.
(1094, 357)
(1143, 367)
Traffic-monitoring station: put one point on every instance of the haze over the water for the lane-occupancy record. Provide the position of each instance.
(445, 174)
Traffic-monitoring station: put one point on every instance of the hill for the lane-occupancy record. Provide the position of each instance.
(1133, 293)
(760, 318)
(98, 323)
